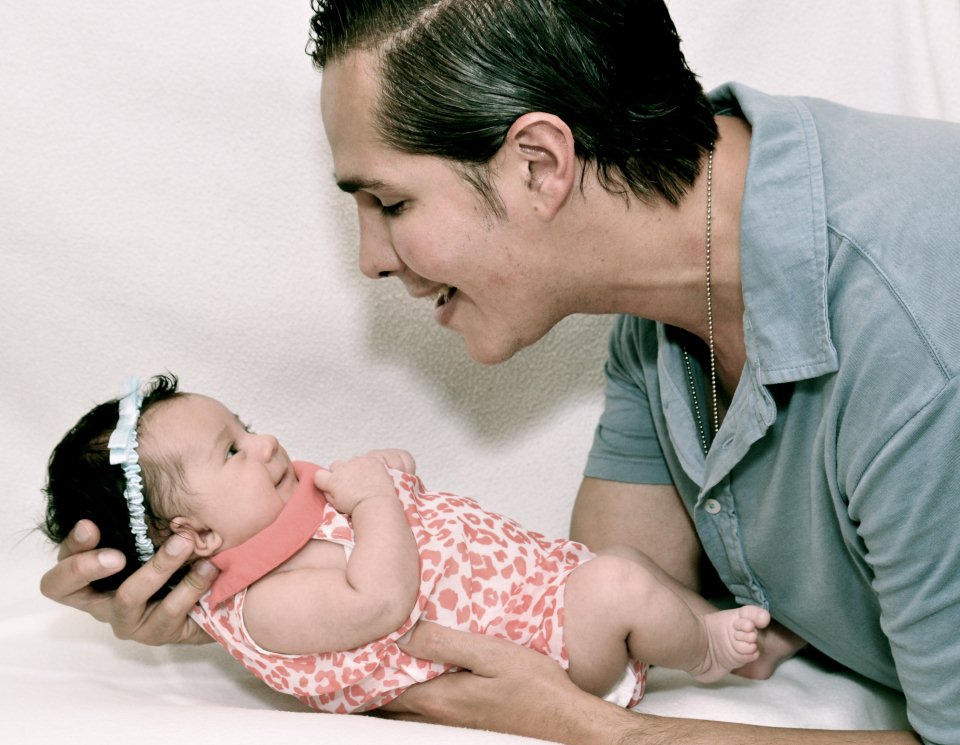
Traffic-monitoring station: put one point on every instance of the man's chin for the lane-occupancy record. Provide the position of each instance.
(491, 351)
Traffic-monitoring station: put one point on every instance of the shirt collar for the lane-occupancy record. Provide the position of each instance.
(783, 238)
(260, 554)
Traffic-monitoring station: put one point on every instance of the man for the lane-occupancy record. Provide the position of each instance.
(779, 266)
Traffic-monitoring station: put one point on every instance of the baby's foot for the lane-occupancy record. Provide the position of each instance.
(776, 645)
(732, 641)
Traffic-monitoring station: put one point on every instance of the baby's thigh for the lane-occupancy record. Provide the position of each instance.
(597, 620)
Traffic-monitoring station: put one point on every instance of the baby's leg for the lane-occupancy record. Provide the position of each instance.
(615, 607)
(776, 642)
(697, 603)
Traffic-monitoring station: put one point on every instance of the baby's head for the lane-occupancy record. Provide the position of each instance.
(204, 474)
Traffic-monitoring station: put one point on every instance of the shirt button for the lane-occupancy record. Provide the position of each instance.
(712, 506)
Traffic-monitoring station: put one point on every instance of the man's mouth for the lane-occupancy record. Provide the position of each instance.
(445, 296)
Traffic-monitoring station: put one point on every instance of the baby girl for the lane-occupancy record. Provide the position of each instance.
(322, 570)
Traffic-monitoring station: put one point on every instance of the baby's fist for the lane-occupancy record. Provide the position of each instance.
(349, 482)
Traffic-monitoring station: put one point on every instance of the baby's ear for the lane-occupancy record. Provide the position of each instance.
(205, 542)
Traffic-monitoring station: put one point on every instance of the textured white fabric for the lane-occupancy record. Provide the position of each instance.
(183, 140)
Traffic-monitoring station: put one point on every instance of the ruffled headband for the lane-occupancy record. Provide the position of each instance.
(123, 452)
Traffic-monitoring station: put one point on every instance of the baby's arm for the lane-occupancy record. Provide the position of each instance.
(306, 609)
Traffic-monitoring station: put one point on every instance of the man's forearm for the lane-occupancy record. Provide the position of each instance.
(611, 725)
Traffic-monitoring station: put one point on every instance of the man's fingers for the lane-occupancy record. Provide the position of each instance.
(128, 610)
(508, 688)
(68, 582)
(130, 600)
(437, 700)
(475, 652)
(84, 536)
(168, 621)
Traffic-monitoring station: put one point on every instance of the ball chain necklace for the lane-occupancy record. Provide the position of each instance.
(715, 409)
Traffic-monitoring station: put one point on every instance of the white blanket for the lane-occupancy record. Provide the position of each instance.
(166, 202)
(66, 679)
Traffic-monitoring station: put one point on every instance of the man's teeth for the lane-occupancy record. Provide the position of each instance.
(446, 295)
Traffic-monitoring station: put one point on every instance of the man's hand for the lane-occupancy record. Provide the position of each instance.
(504, 687)
(516, 690)
(127, 610)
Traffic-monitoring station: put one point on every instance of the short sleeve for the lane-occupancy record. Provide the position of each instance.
(625, 444)
(907, 509)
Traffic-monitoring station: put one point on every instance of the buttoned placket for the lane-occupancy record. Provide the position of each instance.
(751, 413)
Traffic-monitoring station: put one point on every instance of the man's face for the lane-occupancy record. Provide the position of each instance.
(487, 278)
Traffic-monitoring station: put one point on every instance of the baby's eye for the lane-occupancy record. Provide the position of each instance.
(232, 451)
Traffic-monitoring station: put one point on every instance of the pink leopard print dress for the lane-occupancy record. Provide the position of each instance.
(479, 572)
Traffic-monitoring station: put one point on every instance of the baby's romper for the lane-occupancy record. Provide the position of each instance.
(479, 572)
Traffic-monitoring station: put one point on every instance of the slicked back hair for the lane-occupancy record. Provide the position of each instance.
(456, 74)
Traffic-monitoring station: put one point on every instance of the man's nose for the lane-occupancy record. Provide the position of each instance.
(377, 256)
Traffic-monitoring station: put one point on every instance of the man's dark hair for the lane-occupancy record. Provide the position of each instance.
(456, 74)
(82, 483)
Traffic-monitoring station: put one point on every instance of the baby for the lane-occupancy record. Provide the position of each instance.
(323, 570)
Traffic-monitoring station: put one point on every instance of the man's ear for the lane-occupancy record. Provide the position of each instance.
(542, 146)
(206, 542)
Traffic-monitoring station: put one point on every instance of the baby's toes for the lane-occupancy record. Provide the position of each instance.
(754, 616)
(746, 635)
(746, 642)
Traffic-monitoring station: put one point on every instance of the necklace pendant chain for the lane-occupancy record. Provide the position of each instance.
(713, 356)
(696, 402)
(715, 407)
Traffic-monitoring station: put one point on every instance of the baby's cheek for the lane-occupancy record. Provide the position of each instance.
(254, 523)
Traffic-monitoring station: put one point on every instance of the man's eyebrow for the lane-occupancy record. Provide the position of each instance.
(353, 185)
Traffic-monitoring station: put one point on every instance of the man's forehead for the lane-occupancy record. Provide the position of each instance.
(349, 85)
(347, 98)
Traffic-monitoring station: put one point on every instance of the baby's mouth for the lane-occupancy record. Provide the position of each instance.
(446, 296)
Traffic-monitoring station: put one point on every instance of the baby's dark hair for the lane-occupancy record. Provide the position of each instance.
(82, 483)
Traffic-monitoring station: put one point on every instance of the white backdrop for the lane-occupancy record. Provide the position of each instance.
(166, 203)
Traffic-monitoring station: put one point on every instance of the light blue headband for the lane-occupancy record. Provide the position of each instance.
(123, 451)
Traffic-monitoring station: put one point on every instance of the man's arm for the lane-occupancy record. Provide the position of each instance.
(515, 690)
(649, 517)
(128, 610)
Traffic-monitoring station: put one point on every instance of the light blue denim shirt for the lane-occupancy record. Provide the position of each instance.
(831, 495)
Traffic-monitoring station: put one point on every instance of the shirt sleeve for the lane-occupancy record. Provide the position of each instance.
(625, 445)
(907, 508)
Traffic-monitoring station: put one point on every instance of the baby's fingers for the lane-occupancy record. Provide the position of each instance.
(395, 458)
(321, 479)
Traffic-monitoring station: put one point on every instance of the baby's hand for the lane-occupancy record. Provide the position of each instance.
(349, 482)
(399, 460)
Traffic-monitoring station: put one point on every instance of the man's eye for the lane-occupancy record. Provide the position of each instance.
(392, 210)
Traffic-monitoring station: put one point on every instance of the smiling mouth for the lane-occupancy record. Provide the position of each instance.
(446, 296)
